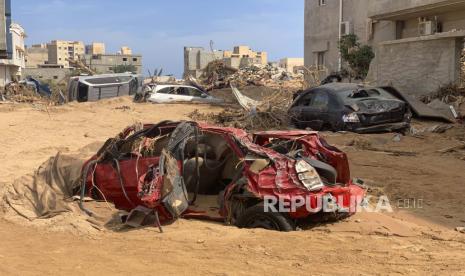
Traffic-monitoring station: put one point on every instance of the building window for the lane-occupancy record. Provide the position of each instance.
(134, 59)
(320, 62)
(125, 59)
(322, 2)
(55, 77)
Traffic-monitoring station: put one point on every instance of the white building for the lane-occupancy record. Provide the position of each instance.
(10, 69)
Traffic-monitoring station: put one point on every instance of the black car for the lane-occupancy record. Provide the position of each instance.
(351, 107)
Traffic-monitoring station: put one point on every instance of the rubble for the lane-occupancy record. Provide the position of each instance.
(269, 113)
(24, 92)
(218, 75)
(452, 96)
(16, 92)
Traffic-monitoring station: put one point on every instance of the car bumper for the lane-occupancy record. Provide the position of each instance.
(345, 200)
(390, 127)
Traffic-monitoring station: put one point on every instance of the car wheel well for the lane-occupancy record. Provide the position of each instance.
(256, 217)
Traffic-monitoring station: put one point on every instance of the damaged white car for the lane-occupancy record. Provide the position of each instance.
(172, 93)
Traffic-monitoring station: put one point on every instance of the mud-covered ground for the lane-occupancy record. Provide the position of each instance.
(418, 239)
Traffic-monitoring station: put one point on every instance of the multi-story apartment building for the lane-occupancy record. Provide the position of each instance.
(418, 43)
(60, 51)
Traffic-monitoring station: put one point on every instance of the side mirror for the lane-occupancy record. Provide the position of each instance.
(203, 95)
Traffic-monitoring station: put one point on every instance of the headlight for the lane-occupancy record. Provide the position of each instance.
(351, 118)
(308, 176)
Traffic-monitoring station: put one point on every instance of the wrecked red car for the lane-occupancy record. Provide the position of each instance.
(194, 170)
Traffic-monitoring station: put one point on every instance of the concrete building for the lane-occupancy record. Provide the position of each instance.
(104, 64)
(95, 48)
(36, 56)
(197, 58)
(5, 36)
(59, 51)
(418, 43)
(246, 52)
(126, 51)
(11, 68)
(291, 65)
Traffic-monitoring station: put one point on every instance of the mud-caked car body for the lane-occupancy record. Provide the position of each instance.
(351, 107)
(190, 169)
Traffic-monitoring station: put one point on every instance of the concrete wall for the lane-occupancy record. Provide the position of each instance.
(197, 58)
(105, 63)
(7, 73)
(47, 74)
(36, 56)
(416, 66)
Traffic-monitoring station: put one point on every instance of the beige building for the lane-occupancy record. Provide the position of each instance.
(96, 48)
(59, 51)
(246, 52)
(291, 64)
(126, 51)
(36, 56)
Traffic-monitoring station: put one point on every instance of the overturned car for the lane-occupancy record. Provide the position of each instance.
(193, 170)
(351, 107)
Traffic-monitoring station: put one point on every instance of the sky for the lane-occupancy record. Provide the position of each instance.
(159, 29)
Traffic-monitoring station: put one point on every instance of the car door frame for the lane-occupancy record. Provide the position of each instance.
(317, 117)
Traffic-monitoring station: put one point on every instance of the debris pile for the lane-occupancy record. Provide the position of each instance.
(449, 96)
(270, 113)
(20, 93)
(30, 90)
(218, 75)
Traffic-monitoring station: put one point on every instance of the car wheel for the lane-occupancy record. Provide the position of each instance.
(256, 217)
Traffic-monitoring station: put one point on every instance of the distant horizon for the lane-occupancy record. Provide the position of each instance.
(159, 34)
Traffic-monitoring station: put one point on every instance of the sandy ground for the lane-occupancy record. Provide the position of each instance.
(409, 241)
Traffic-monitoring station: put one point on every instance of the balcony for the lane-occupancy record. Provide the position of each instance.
(407, 9)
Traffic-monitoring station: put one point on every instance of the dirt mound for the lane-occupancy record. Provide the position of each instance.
(45, 197)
